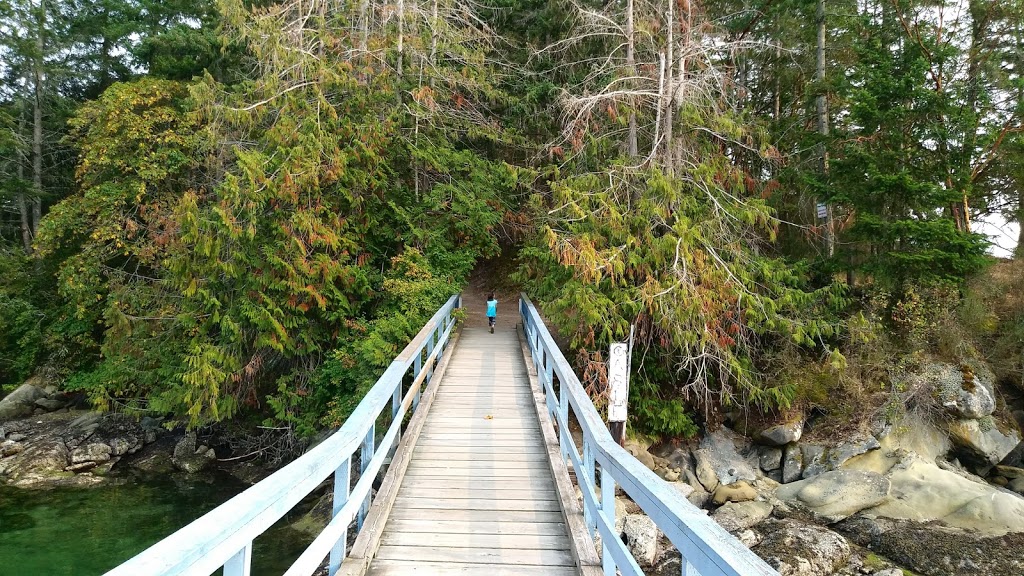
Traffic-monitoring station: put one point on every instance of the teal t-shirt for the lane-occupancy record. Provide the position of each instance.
(492, 308)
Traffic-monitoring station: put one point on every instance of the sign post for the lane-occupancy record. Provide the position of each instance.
(619, 359)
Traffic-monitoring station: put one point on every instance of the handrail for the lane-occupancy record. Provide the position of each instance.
(224, 536)
(706, 548)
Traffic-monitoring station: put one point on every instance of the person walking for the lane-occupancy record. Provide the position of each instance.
(492, 311)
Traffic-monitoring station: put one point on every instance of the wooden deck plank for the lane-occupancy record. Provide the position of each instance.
(481, 484)
(489, 541)
(402, 567)
(470, 467)
(478, 496)
(477, 527)
(482, 504)
(479, 450)
(433, 515)
(460, 493)
(477, 555)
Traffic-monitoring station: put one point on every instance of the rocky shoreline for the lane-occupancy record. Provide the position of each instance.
(46, 441)
(934, 496)
(929, 496)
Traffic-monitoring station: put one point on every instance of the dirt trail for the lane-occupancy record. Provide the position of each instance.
(490, 277)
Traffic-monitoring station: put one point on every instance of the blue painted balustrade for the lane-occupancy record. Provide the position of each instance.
(706, 548)
(224, 536)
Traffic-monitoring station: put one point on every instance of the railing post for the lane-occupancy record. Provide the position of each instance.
(342, 484)
(364, 460)
(241, 563)
(549, 384)
(396, 401)
(563, 421)
(588, 469)
(608, 511)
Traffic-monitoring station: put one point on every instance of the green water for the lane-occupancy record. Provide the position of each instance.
(87, 531)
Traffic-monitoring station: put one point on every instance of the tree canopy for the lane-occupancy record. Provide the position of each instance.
(214, 210)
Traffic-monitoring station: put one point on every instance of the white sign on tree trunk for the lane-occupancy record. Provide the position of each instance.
(618, 381)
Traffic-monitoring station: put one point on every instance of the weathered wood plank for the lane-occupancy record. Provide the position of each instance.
(491, 541)
(403, 567)
(476, 555)
(477, 504)
(478, 527)
(466, 483)
(459, 460)
(478, 492)
(479, 450)
(460, 493)
(505, 474)
(497, 440)
(538, 516)
(456, 428)
(471, 467)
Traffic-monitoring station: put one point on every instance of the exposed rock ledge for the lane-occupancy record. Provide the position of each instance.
(69, 448)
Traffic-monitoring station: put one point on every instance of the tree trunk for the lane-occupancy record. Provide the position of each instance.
(822, 109)
(777, 104)
(364, 23)
(401, 51)
(661, 100)
(631, 70)
(1018, 251)
(433, 40)
(21, 199)
(669, 82)
(37, 121)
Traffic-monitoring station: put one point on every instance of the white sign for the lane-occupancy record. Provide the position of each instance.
(822, 211)
(618, 381)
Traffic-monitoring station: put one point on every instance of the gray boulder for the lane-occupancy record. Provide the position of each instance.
(736, 516)
(769, 458)
(784, 433)
(796, 549)
(792, 463)
(641, 537)
(95, 452)
(720, 452)
(640, 452)
(705, 471)
(814, 460)
(40, 463)
(188, 458)
(10, 448)
(21, 402)
(959, 389)
(1017, 485)
(52, 403)
(1015, 457)
(839, 455)
(982, 445)
(837, 494)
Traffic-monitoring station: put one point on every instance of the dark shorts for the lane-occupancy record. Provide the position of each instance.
(490, 320)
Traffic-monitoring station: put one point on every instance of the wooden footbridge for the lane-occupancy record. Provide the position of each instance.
(469, 432)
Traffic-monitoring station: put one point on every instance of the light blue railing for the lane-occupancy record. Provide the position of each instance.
(224, 536)
(706, 548)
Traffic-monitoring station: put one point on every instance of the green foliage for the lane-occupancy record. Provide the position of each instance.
(412, 292)
(22, 319)
(662, 253)
(139, 151)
